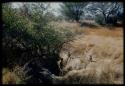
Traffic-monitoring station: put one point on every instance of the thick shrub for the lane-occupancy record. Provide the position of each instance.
(25, 39)
(99, 19)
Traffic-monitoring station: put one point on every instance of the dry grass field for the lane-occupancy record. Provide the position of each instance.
(95, 56)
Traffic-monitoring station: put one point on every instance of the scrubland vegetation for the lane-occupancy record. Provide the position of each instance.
(41, 48)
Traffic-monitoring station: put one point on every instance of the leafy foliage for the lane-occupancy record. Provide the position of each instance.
(99, 19)
(108, 10)
(28, 38)
(73, 11)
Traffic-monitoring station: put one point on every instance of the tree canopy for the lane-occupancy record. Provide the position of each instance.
(73, 11)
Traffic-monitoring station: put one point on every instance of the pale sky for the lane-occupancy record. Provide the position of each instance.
(54, 5)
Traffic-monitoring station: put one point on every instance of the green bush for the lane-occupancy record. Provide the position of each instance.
(25, 38)
(99, 19)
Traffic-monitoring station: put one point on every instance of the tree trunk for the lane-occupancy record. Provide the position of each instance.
(105, 17)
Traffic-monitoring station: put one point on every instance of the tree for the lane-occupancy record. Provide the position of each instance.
(73, 11)
(36, 12)
(108, 10)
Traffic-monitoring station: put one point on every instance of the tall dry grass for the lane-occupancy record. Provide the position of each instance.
(103, 31)
(9, 77)
(96, 56)
(89, 28)
(13, 76)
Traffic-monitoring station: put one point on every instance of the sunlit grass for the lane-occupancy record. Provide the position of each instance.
(105, 46)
